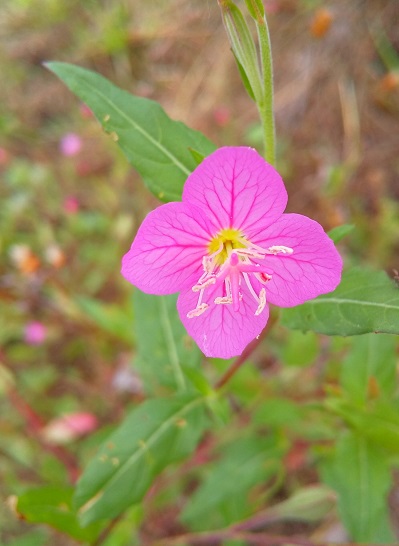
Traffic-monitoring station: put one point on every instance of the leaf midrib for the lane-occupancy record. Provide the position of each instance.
(137, 454)
(357, 302)
(130, 121)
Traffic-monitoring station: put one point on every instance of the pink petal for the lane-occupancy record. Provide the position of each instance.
(166, 254)
(220, 331)
(237, 188)
(313, 268)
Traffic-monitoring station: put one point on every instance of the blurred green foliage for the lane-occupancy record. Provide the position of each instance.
(304, 411)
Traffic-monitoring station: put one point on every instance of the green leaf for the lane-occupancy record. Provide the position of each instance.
(339, 232)
(154, 144)
(378, 422)
(222, 498)
(53, 505)
(155, 434)
(370, 366)
(365, 301)
(111, 318)
(359, 473)
(244, 49)
(300, 349)
(277, 412)
(199, 158)
(34, 538)
(244, 78)
(164, 350)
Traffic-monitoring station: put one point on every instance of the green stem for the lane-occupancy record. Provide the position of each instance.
(265, 106)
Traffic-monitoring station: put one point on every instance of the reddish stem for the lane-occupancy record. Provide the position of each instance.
(107, 531)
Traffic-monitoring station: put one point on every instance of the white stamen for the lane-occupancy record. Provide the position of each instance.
(200, 298)
(198, 310)
(208, 265)
(279, 250)
(256, 251)
(262, 302)
(201, 285)
(250, 288)
(223, 300)
(249, 252)
(227, 284)
(239, 262)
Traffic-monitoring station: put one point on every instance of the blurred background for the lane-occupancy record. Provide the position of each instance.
(70, 203)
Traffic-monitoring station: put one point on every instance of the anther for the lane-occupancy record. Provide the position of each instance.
(262, 302)
(263, 277)
(198, 310)
(205, 284)
(280, 250)
(225, 300)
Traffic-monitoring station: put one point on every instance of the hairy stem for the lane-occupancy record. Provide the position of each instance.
(265, 107)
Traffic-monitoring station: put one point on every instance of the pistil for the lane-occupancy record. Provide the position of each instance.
(237, 265)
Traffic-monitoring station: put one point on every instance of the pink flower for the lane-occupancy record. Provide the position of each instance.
(229, 249)
(69, 427)
(71, 205)
(35, 333)
(70, 144)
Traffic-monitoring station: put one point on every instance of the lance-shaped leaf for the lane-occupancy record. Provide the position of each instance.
(157, 146)
(164, 350)
(365, 301)
(359, 472)
(157, 433)
(243, 47)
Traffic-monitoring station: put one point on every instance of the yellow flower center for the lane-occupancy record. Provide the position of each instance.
(230, 239)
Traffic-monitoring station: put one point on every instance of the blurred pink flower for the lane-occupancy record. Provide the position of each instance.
(35, 333)
(222, 116)
(229, 250)
(70, 144)
(69, 427)
(71, 205)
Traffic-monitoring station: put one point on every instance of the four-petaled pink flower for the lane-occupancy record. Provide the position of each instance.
(229, 250)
